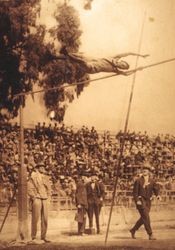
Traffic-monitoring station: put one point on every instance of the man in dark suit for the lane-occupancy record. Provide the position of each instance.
(102, 191)
(95, 196)
(81, 203)
(144, 188)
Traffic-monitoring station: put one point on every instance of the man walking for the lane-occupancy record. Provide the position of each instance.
(39, 192)
(144, 188)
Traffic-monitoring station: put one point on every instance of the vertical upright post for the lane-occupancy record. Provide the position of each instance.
(125, 132)
(22, 185)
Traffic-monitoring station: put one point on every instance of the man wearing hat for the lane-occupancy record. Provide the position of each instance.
(144, 188)
(39, 191)
(81, 203)
(95, 194)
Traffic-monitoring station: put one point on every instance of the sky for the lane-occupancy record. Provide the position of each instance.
(112, 27)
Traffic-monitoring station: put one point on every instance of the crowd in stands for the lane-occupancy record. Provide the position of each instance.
(67, 152)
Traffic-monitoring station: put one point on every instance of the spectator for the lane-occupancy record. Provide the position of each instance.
(39, 192)
(81, 203)
(142, 192)
(95, 195)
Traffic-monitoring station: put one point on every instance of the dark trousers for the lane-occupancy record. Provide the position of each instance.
(81, 220)
(93, 208)
(144, 218)
(100, 207)
(81, 227)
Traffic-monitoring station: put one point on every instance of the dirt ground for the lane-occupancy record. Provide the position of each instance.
(62, 231)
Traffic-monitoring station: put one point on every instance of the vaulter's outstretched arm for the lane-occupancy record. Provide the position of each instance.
(81, 58)
(130, 54)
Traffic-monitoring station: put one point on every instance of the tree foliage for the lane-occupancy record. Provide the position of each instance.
(22, 52)
(15, 19)
(24, 55)
(58, 72)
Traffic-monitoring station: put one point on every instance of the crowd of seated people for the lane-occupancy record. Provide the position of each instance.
(66, 152)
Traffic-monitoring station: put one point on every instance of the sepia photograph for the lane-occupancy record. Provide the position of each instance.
(87, 124)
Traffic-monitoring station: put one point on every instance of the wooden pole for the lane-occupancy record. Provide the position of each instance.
(124, 134)
(22, 185)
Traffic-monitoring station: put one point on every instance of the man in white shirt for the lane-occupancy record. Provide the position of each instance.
(39, 191)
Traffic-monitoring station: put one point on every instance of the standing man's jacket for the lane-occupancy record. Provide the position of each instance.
(94, 195)
(39, 186)
(81, 194)
(144, 192)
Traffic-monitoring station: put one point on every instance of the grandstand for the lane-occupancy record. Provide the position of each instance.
(67, 151)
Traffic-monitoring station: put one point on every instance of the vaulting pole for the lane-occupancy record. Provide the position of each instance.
(124, 135)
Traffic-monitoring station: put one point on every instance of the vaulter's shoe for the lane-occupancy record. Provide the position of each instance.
(132, 234)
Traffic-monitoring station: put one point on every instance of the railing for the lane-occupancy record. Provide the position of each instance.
(61, 203)
(123, 198)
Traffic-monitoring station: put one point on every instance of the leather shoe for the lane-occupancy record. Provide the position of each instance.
(46, 241)
(132, 234)
(151, 237)
(33, 241)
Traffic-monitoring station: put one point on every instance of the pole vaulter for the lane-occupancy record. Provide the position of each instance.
(124, 73)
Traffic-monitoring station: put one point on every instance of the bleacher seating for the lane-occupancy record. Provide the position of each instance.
(67, 151)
